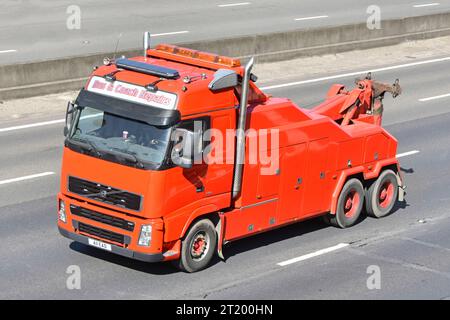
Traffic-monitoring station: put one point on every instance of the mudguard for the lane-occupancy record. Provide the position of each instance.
(220, 228)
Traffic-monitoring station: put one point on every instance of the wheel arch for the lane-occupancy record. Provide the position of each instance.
(217, 218)
(209, 212)
(367, 182)
(365, 176)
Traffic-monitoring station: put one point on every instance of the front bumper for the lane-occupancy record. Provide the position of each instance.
(153, 257)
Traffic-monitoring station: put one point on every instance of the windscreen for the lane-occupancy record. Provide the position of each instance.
(124, 138)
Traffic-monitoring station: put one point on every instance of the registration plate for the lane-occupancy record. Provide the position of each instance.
(99, 244)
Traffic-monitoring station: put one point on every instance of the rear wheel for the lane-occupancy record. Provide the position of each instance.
(349, 206)
(198, 247)
(382, 195)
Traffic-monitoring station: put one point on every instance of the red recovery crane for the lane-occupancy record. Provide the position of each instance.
(150, 170)
(365, 100)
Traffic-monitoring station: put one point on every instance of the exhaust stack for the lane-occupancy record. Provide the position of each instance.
(240, 132)
(146, 43)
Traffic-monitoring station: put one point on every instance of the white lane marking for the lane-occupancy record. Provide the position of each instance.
(426, 5)
(435, 97)
(313, 254)
(8, 51)
(233, 4)
(404, 154)
(32, 125)
(311, 18)
(290, 84)
(45, 123)
(33, 176)
(350, 74)
(169, 33)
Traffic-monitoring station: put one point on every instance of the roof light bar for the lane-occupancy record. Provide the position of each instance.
(146, 68)
(200, 55)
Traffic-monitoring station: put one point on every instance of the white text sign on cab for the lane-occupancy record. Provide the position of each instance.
(133, 93)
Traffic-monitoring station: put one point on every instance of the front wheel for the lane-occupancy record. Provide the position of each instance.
(382, 195)
(198, 247)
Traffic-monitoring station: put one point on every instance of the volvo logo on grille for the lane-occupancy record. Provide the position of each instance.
(104, 193)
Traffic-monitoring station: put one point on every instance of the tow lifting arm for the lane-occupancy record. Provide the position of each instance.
(366, 99)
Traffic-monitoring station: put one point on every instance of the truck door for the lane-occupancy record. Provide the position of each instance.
(292, 186)
(317, 189)
(217, 174)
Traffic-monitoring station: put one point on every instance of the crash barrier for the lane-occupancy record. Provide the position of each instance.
(57, 75)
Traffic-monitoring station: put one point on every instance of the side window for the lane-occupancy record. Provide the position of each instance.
(201, 125)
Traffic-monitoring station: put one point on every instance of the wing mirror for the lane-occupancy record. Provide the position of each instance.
(223, 79)
(187, 147)
(69, 117)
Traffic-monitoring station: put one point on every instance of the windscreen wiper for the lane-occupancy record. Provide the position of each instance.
(127, 156)
(86, 145)
(90, 147)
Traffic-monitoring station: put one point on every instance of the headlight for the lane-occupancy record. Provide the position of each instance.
(146, 235)
(62, 211)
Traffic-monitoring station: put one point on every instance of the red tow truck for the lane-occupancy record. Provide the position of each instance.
(170, 155)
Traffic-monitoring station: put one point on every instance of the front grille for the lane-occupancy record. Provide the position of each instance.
(106, 194)
(103, 218)
(101, 233)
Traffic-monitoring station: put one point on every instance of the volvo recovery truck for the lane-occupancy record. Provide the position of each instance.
(170, 155)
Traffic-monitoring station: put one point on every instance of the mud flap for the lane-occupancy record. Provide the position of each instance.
(220, 228)
(401, 188)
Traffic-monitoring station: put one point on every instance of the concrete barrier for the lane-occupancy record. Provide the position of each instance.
(43, 77)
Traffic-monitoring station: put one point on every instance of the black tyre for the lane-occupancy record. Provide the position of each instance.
(349, 206)
(198, 247)
(382, 195)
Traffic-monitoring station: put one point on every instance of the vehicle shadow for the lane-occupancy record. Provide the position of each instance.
(274, 236)
(398, 206)
(246, 244)
(290, 231)
(407, 171)
(235, 248)
(160, 268)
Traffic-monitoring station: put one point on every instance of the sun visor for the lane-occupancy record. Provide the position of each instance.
(127, 109)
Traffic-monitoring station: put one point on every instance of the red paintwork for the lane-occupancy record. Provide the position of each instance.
(351, 204)
(321, 147)
(386, 194)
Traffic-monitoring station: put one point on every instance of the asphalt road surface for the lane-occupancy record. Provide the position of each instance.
(33, 30)
(410, 248)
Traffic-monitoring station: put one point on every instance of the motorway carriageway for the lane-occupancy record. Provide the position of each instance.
(306, 260)
(34, 30)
